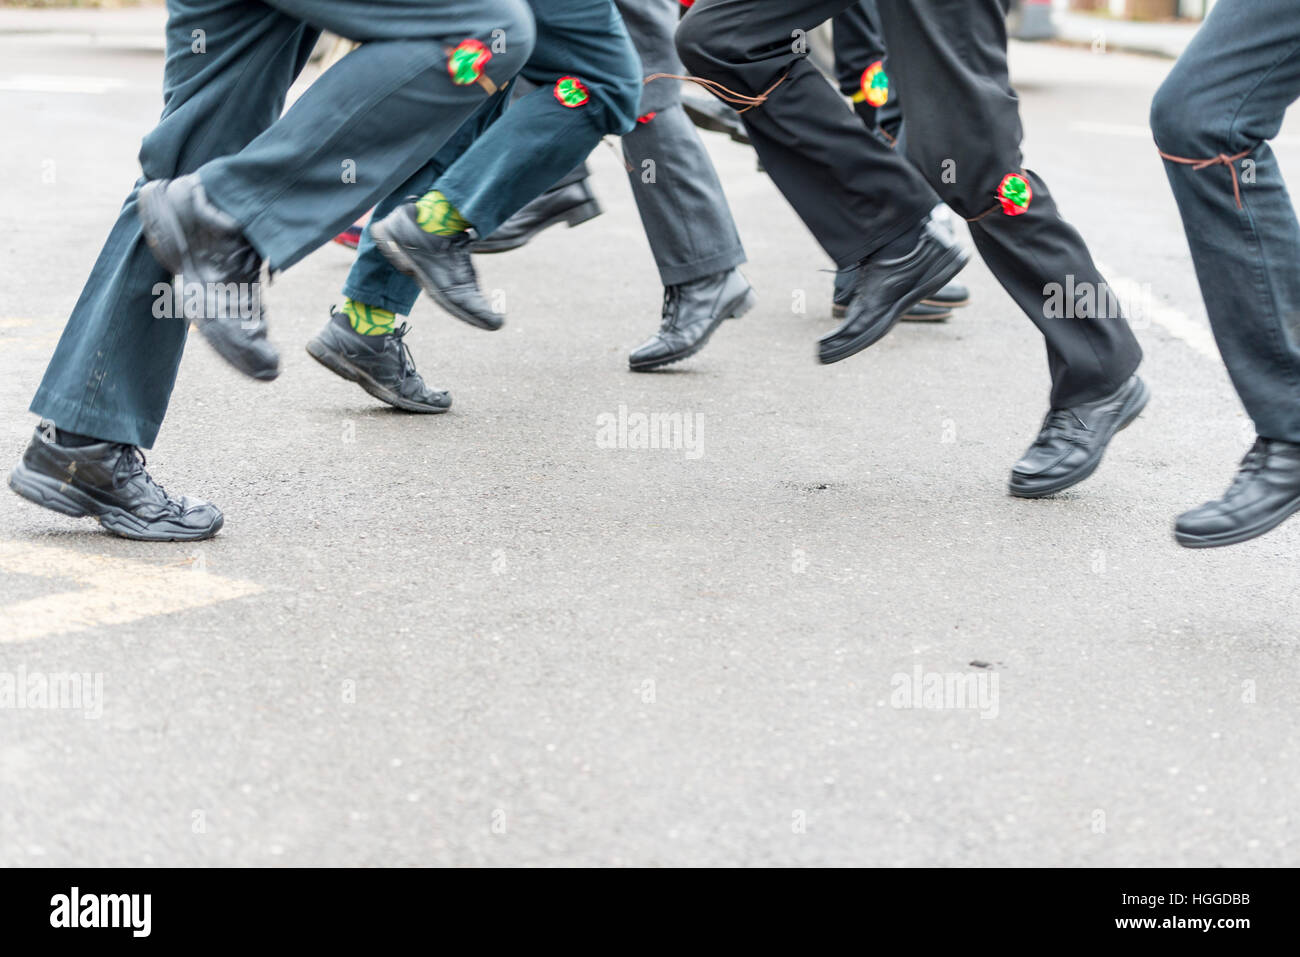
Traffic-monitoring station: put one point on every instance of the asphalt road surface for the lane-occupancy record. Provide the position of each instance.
(819, 632)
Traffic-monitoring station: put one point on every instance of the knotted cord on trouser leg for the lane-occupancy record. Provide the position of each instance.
(1223, 159)
(723, 93)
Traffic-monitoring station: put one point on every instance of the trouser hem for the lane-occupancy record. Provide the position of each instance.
(71, 415)
(690, 272)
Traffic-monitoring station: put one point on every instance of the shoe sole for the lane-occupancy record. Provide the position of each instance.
(841, 313)
(338, 364)
(166, 240)
(936, 317)
(576, 216)
(403, 263)
(737, 310)
(59, 497)
(952, 263)
(946, 303)
(1237, 537)
(1136, 404)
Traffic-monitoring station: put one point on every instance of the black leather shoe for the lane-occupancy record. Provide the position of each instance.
(938, 308)
(205, 250)
(1265, 493)
(382, 365)
(574, 204)
(1070, 446)
(884, 290)
(709, 113)
(108, 481)
(691, 312)
(440, 264)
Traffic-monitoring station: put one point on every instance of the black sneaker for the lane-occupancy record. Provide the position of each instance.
(573, 203)
(382, 365)
(108, 481)
(440, 264)
(206, 250)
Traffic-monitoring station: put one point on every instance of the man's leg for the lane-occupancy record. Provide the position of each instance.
(862, 67)
(680, 200)
(108, 384)
(1226, 97)
(853, 192)
(569, 200)
(362, 342)
(369, 123)
(114, 368)
(862, 71)
(963, 131)
(683, 210)
(228, 67)
(588, 86)
(865, 204)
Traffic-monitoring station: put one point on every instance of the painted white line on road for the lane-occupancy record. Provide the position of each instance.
(1178, 324)
(47, 83)
(1134, 131)
(115, 591)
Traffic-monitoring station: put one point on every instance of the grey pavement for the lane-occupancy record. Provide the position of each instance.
(485, 638)
(120, 28)
(1166, 39)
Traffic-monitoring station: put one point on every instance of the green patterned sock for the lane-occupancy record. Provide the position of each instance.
(368, 320)
(436, 215)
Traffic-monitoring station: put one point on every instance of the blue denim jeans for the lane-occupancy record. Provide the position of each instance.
(1227, 96)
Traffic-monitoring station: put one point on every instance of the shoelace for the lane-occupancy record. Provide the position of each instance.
(1254, 462)
(399, 337)
(134, 460)
(669, 316)
(463, 262)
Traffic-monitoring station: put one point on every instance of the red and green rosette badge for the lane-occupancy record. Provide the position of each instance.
(1015, 194)
(874, 87)
(465, 63)
(571, 92)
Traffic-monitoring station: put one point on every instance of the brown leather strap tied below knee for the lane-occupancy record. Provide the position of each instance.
(1223, 159)
(744, 101)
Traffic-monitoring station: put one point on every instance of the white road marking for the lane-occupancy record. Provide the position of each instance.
(48, 83)
(1178, 324)
(115, 591)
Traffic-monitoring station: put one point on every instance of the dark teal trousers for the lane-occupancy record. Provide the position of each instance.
(365, 128)
(498, 163)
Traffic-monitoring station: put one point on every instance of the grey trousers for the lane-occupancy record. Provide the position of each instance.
(684, 212)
